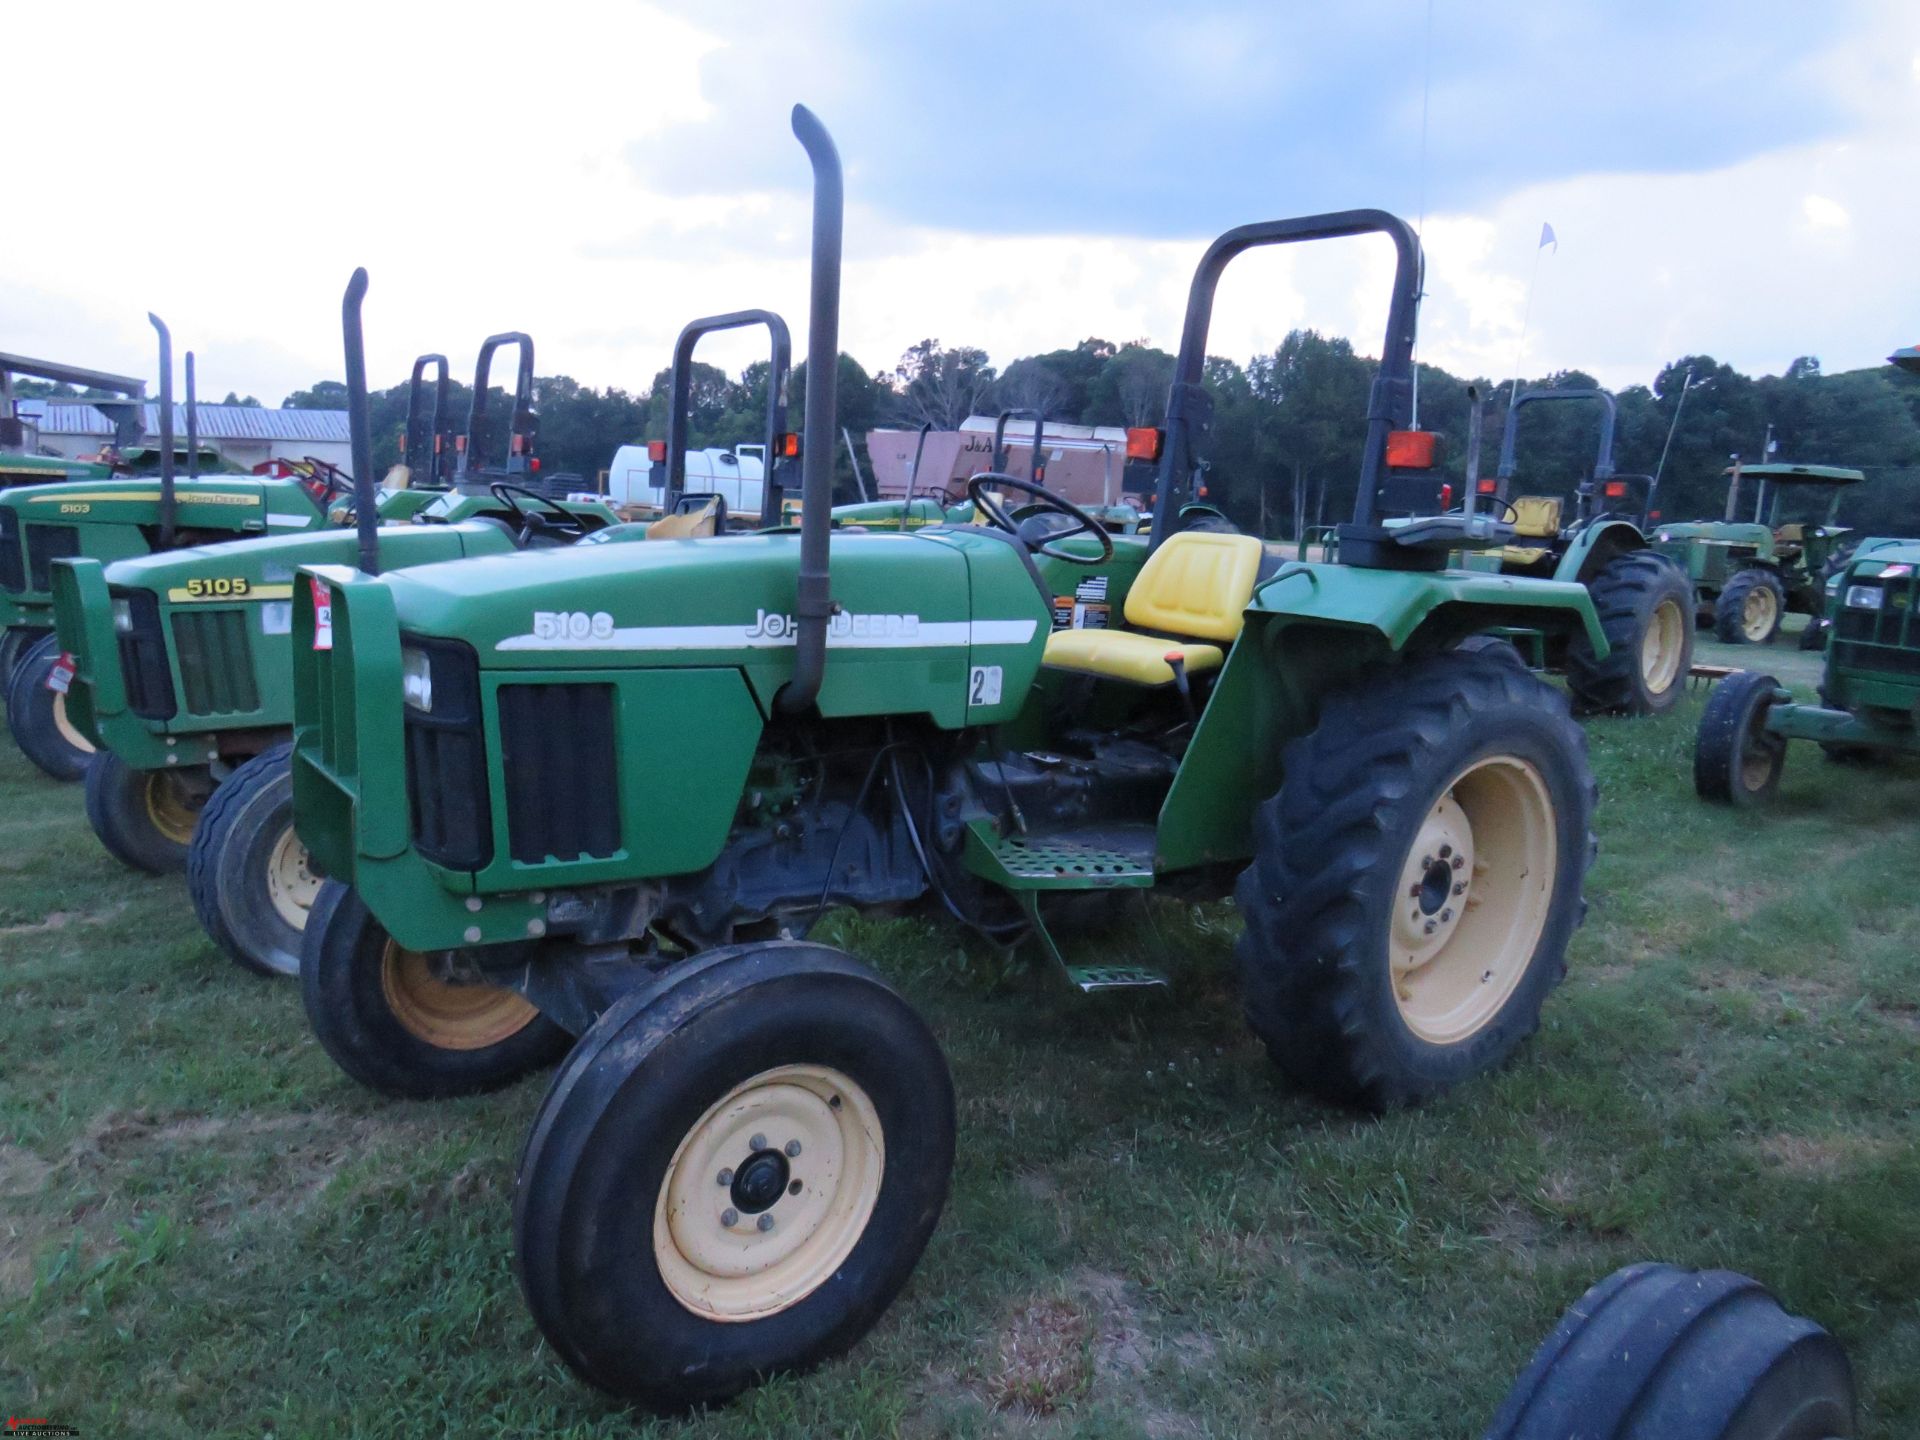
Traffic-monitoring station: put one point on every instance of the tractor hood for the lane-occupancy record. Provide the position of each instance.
(724, 598)
(1715, 531)
(1875, 554)
(236, 503)
(239, 569)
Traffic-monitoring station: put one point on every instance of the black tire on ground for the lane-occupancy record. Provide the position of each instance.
(1751, 587)
(633, 1174)
(1735, 761)
(13, 644)
(37, 716)
(391, 1024)
(1495, 645)
(247, 872)
(1657, 1353)
(1373, 835)
(1645, 604)
(145, 818)
(1814, 637)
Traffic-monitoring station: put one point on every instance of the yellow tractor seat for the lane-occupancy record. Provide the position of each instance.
(1791, 534)
(1537, 517)
(1522, 554)
(688, 524)
(1195, 587)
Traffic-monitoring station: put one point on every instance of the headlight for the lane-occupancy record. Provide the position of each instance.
(123, 616)
(1865, 597)
(416, 679)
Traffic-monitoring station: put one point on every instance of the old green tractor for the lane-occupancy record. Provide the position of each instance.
(1599, 541)
(180, 667)
(1869, 690)
(752, 1138)
(118, 518)
(1747, 575)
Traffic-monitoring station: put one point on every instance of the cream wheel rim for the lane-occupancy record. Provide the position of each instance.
(447, 1016)
(291, 883)
(1475, 892)
(169, 811)
(1661, 646)
(1757, 613)
(768, 1193)
(69, 731)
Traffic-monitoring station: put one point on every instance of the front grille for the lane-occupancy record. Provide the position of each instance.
(13, 574)
(216, 662)
(563, 786)
(143, 659)
(1886, 659)
(447, 762)
(1891, 624)
(46, 544)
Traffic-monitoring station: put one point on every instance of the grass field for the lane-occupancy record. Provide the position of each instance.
(205, 1229)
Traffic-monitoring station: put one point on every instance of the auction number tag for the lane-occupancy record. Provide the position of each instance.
(983, 688)
(322, 613)
(60, 677)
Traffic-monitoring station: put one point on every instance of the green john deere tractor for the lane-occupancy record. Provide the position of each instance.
(117, 518)
(181, 662)
(1641, 597)
(752, 1137)
(1747, 575)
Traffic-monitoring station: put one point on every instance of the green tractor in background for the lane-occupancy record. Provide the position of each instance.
(1642, 598)
(751, 1141)
(20, 466)
(117, 518)
(181, 661)
(1748, 575)
(1869, 689)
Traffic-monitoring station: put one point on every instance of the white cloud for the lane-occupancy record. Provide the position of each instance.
(1825, 214)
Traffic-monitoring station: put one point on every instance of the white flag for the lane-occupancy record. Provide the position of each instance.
(1547, 237)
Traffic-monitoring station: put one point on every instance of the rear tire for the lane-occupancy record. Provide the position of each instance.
(145, 818)
(634, 1222)
(38, 719)
(1735, 761)
(1657, 1353)
(387, 1021)
(1409, 782)
(13, 644)
(247, 872)
(1749, 609)
(1644, 602)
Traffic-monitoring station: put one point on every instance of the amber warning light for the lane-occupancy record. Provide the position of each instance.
(789, 446)
(657, 451)
(1412, 449)
(1144, 442)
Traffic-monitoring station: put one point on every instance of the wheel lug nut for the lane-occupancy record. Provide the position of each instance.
(1431, 927)
(729, 1217)
(794, 1188)
(793, 1148)
(725, 1177)
(1446, 851)
(766, 1223)
(1413, 892)
(759, 1142)
(1459, 862)
(1426, 862)
(1446, 914)
(1459, 887)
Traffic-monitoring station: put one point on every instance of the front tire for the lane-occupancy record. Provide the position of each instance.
(1749, 609)
(733, 1175)
(1735, 760)
(393, 1024)
(1644, 602)
(145, 818)
(247, 872)
(1657, 1353)
(38, 717)
(1416, 880)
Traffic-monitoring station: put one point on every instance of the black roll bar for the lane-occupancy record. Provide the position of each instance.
(525, 423)
(1603, 461)
(436, 425)
(1036, 469)
(680, 404)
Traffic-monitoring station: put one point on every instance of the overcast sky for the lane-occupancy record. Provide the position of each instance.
(1734, 177)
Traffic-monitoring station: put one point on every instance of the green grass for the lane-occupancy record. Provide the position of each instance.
(206, 1230)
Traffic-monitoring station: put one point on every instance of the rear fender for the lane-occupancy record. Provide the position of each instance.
(1596, 547)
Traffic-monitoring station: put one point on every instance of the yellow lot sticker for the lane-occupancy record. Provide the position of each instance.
(227, 587)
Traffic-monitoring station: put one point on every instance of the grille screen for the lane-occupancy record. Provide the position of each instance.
(45, 544)
(216, 662)
(13, 574)
(562, 780)
(143, 659)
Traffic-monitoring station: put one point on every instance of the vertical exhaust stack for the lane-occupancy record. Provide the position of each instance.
(366, 494)
(913, 475)
(166, 430)
(813, 600)
(1476, 417)
(193, 424)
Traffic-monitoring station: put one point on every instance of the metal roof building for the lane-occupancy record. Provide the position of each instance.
(242, 435)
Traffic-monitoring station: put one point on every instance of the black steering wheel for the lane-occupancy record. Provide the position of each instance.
(531, 520)
(1084, 524)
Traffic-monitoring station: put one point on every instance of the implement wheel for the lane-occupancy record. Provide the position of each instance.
(390, 1020)
(1416, 880)
(247, 872)
(1645, 605)
(1748, 611)
(1735, 760)
(145, 818)
(38, 716)
(733, 1174)
(1656, 1353)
